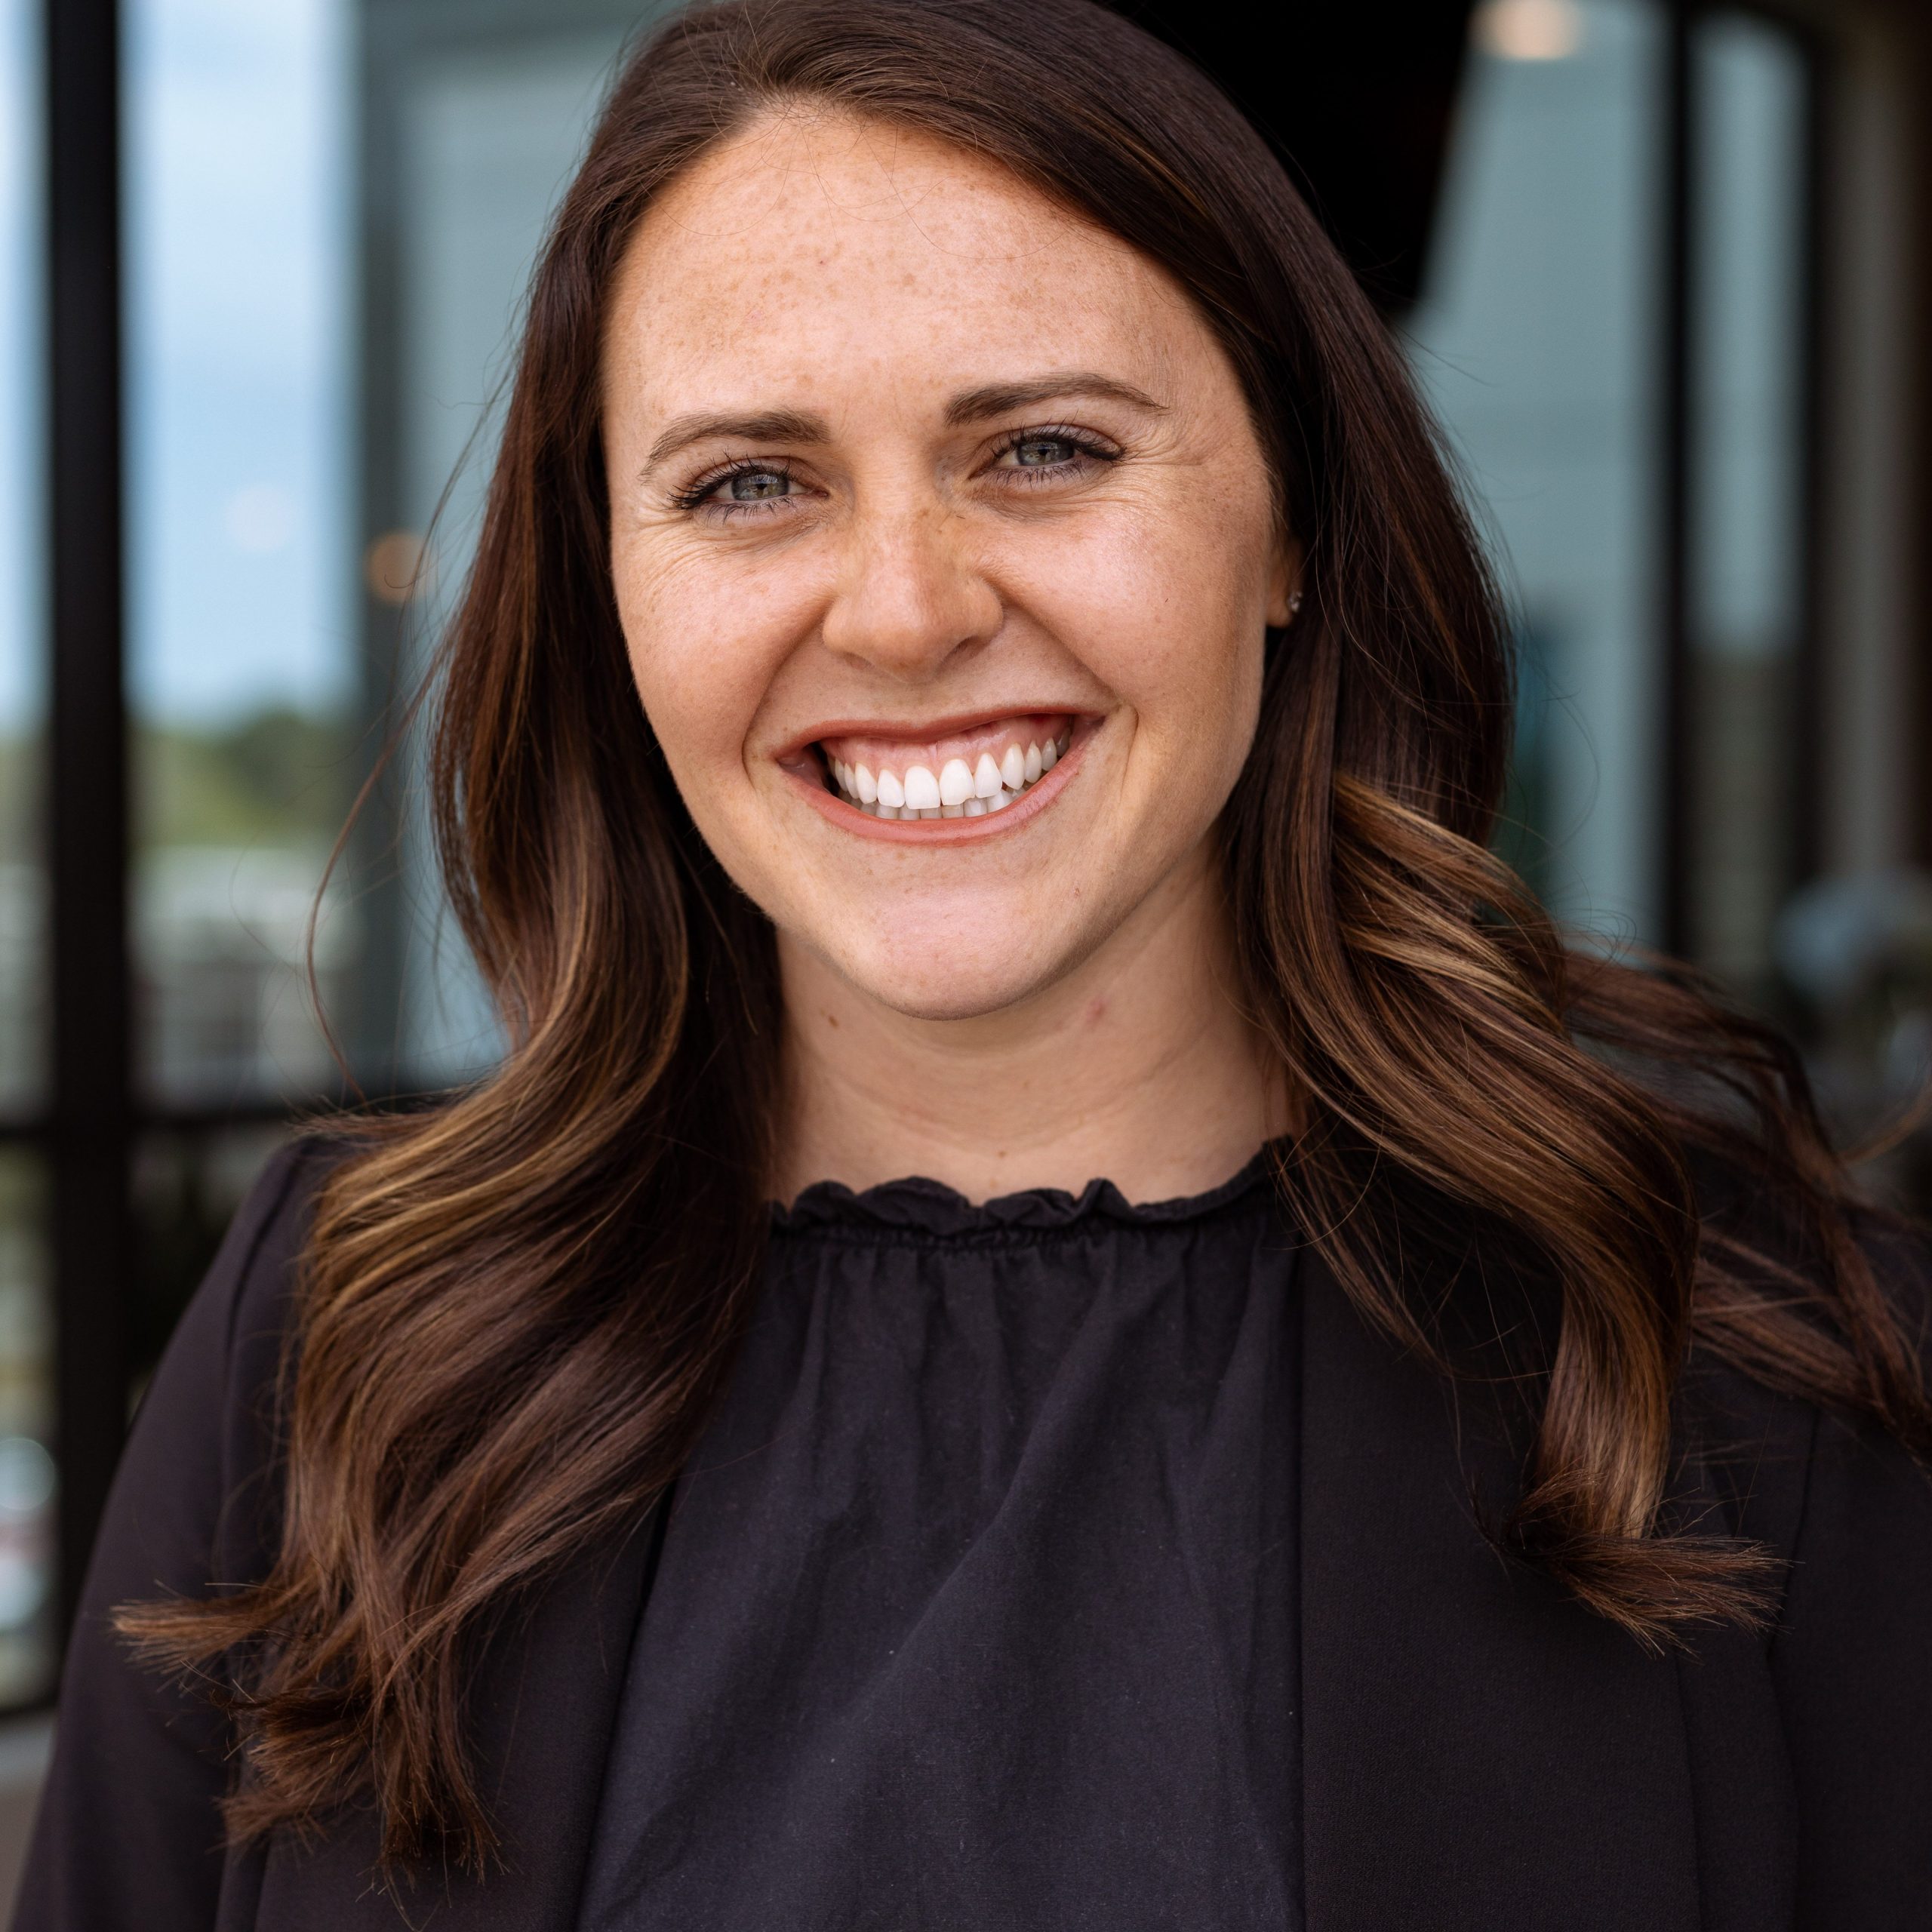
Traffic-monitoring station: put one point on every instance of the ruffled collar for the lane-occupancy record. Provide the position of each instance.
(931, 1208)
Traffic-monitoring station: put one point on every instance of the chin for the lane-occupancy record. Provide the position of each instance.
(956, 989)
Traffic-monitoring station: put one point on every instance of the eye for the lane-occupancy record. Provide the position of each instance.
(746, 487)
(757, 486)
(1052, 454)
(1043, 452)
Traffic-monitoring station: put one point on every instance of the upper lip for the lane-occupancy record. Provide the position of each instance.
(923, 730)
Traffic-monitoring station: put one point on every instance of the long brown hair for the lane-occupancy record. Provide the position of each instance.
(516, 1308)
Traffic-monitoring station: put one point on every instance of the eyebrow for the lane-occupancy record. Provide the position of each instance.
(996, 398)
(768, 426)
(791, 426)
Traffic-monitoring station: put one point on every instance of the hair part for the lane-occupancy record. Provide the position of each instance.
(516, 1310)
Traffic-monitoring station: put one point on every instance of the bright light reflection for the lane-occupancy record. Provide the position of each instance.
(1529, 29)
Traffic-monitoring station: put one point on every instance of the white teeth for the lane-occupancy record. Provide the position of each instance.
(959, 791)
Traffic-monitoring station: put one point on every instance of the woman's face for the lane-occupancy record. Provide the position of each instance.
(944, 549)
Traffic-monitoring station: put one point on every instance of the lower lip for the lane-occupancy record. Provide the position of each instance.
(948, 831)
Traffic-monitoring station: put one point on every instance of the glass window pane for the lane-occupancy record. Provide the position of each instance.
(1536, 339)
(243, 668)
(27, 1599)
(23, 547)
(1748, 587)
(476, 122)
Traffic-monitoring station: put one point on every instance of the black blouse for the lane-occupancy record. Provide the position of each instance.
(1057, 1610)
(977, 1605)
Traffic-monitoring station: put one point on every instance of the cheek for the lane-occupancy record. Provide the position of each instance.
(1168, 610)
(703, 648)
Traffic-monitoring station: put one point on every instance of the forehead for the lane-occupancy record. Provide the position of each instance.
(819, 252)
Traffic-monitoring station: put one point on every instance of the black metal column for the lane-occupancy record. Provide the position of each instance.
(87, 845)
(1810, 700)
(1676, 814)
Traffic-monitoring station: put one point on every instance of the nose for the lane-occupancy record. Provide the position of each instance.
(910, 596)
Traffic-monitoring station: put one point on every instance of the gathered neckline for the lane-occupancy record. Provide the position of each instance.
(920, 1206)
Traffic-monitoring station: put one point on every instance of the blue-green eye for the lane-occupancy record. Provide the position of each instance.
(1050, 454)
(758, 486)
(1044, 452)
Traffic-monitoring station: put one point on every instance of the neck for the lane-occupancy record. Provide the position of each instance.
(1137, 1066)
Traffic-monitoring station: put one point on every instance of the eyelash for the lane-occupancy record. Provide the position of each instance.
(1088, 447)
(693, 496)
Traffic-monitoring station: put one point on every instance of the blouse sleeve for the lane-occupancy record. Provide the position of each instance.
(129, 1834)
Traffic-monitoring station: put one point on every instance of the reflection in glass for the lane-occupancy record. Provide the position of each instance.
(243, 668)
(23, 546)
(480, 118)
(27, 1475)
(1535, 340)
(1747, 584)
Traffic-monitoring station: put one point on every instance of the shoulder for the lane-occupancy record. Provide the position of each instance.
(1850, 1653)
(193, 1508)
(1847, 1505)
(195, 1487)
(247, 1295)
(245, 1302)
(1761, 1443)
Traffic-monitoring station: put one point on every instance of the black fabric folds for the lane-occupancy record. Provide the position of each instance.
(977, 1605)
(1054, 1564)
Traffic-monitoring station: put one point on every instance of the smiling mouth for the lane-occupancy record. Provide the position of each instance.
(960, 774)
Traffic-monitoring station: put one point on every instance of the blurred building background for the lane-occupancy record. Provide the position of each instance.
(1662, 267)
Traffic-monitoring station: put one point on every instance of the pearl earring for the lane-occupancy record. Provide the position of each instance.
(1294, 602)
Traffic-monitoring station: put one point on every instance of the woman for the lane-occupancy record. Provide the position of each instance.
(974, 670)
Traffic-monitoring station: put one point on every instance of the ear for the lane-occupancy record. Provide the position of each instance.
(1284, 576)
